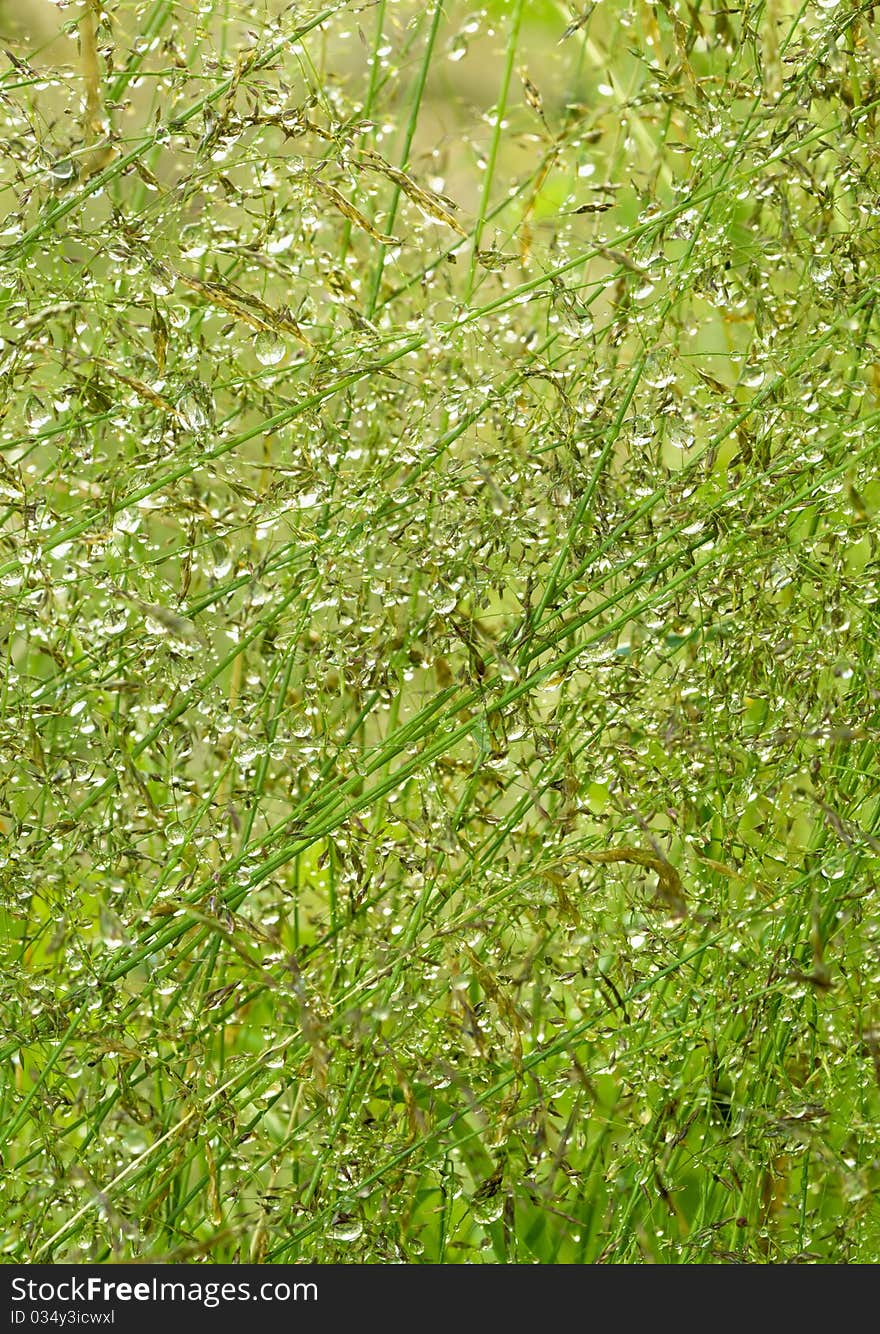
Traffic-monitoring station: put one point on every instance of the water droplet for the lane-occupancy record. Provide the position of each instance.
(444, 601)
(269, 348)
(194, 407)
(679, 437)
(346, 1229)
(111, 928)
(62, 172)
(36, 414)
(161, 280)
(489, 1210)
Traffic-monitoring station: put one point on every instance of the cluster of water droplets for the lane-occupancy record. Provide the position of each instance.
(414, 488)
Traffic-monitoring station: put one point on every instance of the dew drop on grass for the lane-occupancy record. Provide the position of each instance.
(269, 348)
(489, 1210)
(346, 1230)
(194, 410)
(112, 931)
(161, 280)
(36, 413)
(62, 172)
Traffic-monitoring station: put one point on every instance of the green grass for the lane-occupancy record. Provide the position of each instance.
(438, 565)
